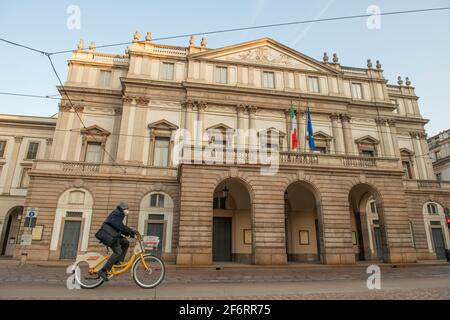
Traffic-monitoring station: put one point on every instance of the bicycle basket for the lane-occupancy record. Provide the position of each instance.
(150, 242)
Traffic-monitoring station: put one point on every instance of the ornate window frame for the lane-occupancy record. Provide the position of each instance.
(94, 134)
(368, 143)
(160, 129)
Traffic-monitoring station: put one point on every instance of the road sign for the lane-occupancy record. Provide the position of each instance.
(31, 217)
(25, 239)
(32, 213)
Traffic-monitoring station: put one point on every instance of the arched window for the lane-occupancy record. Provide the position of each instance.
(157, 200)
(432, 208)
(156, 219)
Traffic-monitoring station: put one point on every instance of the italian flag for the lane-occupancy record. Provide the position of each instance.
(294, 136)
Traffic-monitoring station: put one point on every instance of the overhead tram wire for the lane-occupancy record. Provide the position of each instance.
(268, 26)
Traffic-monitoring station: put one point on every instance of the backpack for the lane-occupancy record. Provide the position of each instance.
(107, 235)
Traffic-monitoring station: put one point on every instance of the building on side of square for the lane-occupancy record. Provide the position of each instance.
(22, 140)
(151, 126)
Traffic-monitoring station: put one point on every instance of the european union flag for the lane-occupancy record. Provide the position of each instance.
(312, 145)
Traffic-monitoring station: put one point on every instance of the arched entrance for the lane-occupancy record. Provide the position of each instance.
(367, 226)
(232, 223)
(10, 235)
(302, 225)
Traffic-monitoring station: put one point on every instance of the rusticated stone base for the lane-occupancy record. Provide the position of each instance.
(338, 258)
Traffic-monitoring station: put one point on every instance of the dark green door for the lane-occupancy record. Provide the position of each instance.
(156, 229)
(71, 236)
(221, 239)
(378, 242)
(439, 245)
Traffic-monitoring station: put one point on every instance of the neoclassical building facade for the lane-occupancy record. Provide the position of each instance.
(198, 141)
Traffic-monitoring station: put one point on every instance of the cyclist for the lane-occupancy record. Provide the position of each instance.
(120, 244)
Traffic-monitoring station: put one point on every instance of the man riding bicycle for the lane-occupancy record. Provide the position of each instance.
(111, 233)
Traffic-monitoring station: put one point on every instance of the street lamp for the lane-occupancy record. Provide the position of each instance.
(225, 191)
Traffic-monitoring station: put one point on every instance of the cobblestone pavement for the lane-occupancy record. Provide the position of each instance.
(290, 282)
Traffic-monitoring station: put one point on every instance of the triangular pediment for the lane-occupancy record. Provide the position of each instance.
(220, 126)
(367, 140)
(270, 130)
(320, 135)
(95, 130)
(265, 52)
(162, 125)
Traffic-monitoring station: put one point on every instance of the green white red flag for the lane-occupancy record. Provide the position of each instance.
(294, 135)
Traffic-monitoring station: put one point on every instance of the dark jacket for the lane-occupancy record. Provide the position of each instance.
(115, 220)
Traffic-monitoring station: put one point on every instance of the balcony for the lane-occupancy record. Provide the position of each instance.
(426, 184)
(101, 169)
(235, 156)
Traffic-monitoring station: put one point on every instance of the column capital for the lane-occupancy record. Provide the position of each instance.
(127, 99)
(252, 109)
(64, 107)
(142, 101)
(345, 117)
(49, 141)
(188, 104)
(240, 107)
(201, 105)
(78, 108)
(334, 116)
(418, 135)
(117, 111)
(18, 139)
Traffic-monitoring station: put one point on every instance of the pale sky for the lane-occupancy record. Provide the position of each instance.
(414, 45)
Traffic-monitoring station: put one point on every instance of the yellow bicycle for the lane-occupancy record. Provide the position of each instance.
(147, 270)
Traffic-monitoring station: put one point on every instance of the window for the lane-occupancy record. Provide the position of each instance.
(32, 150)
(219, 203)
(438, 176)
(2, 148)
(407, 174)
(437, 154)
(432, 208)
(313, 84)
(157, 200)
(93, 152)
(367, 153)
(167, 71)
(104, 79)
(373, 207)
(161, 156)
(25, 179)
(321, 149)
(268, 79)
(221, 75)
(357, 91)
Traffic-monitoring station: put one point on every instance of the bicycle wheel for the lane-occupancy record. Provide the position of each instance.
(85, 278)
(151, 277)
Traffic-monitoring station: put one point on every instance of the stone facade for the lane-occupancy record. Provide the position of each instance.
(198, 141)
(439, 146)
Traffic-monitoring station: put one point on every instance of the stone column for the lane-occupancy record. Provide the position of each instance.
(337, 138)
(252, 137)
(240, 143)
(201, 106)
(418, 159)
(425, 158)
(301, 124)
(380, 127)
(12, 164)
(393, 133)
(48, 148)
(189, 106)
(124, 144)
(287, 114)
(348, 137)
